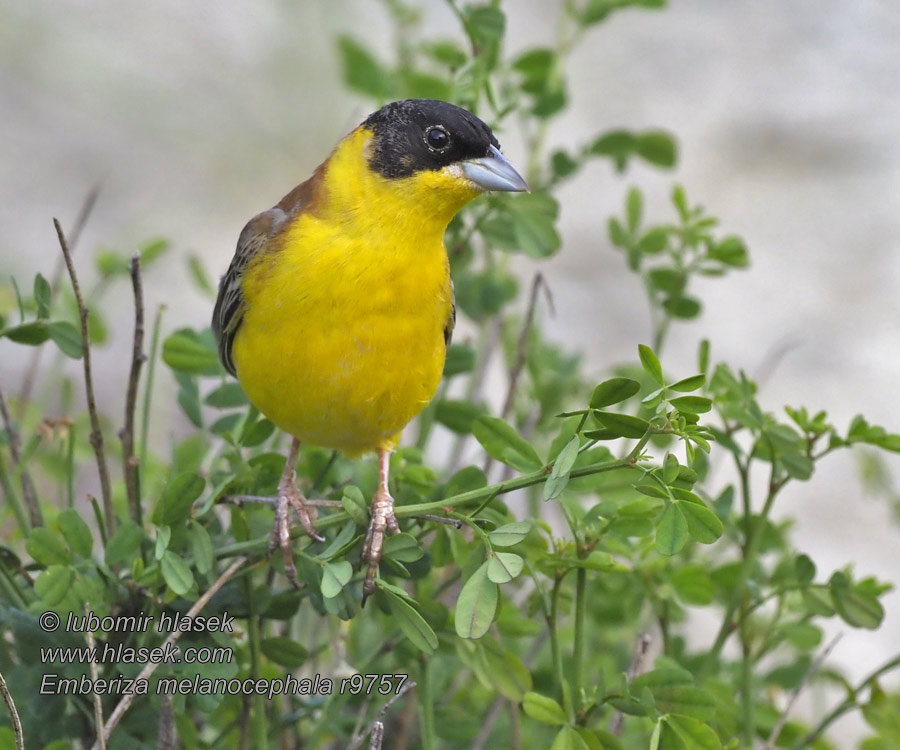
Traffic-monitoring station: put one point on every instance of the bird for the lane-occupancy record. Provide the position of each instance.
(337, 309)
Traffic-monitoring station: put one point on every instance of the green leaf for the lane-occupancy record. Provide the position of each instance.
(618, 145)
(503, 443)
(650, 363)
(42, 296)
(693, 585)
(504, 566)
(460, 359)
(362, 71)
(227, 396)
(53, 584)
(672, 531)
(686, 733)
(335, 575)
(682, 307)
(703, 524)
(403, 548)
(856, 607)
(355, 505)
(256, 433)
(670, 468)
(412, 624)
(163, 536)
(566, 458)
(544, 709)
(692, 404)
(185, 351)
(174, 505)
(476, 604)
(67, 337)
(654, 241)
(32, 334)
(534, 218)
(47, 547)
(284, 651)
(202, 548)
(176, 573)
(634, 209)
(124, 544)
(689, 384)
(731, 251)
(76, 532)
(458, 416)
(657, 147)
(568, 739)
(623, 425)
(613, 391)
(797, 465)
(509, 534)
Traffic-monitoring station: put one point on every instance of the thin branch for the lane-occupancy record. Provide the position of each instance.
(13, 714)
(96, 437)
(98, 705)
(167, 739)
(124, 704)
(813, 668)
(15, 448)
(634, 669)
(130, 466)
(31, 373)
(521, 352)
(377, 725)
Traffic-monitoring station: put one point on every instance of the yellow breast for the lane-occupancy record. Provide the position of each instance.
(342, 341)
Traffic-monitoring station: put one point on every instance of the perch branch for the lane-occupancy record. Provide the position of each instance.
(96, 437)
(98, 705)
(634, 669)
(13, 714)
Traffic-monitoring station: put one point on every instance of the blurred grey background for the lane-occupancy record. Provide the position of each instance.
(194, 116)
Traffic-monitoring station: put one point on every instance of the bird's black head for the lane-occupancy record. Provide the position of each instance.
(417, 134)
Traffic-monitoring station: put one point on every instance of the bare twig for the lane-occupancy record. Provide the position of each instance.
(130, 467)
(31, 373)
(124, 704)
(28, 493)
(521, 352)
(98, 705)
(813, 668)
(377, 727)
(96, 436)
(166, 739)
(273, 501)
(13, 714)
(634, 669)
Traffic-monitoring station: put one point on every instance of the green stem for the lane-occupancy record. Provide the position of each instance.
(553, 623)
(258, 722)
(472, 497)
(12, 497)
(750, 554)
(148, 388)
(426, 703)
(578, 651)
(848, 704)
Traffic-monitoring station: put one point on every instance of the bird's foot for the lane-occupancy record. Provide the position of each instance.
(290, 497)
(383, 521)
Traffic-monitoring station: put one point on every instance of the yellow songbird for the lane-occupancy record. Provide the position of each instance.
(337, 308)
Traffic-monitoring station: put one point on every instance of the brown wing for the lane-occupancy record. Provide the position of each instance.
(229, 310)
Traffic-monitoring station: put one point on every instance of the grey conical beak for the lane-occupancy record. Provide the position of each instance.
(494, 172)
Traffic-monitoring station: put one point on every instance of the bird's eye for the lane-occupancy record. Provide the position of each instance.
(437, 138)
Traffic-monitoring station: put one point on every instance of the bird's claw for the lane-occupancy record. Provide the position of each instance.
(383, 522)
(289, 496)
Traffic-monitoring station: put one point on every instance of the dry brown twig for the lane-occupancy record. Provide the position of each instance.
(96, 436)
(377, 727)
(13, 714)
(130, 467)
(123, 705)
(98, 705)
(31, 373)
(15, 448)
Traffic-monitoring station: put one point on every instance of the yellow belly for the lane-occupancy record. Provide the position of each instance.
(342, 344)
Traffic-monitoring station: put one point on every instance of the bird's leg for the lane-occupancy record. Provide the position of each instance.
(383, 521)
(289, 496)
